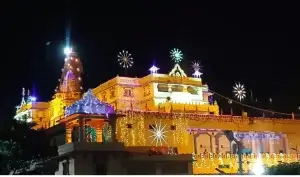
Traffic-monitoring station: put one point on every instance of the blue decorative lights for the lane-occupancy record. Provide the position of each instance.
(89, 104)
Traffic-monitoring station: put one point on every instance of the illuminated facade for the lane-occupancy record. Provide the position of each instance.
(165, 110)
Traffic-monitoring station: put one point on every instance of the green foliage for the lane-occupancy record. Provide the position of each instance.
(21, 146)
(284, 169)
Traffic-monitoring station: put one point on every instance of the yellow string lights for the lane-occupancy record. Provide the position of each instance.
(132, 129)
(206, 163)
(180, 134)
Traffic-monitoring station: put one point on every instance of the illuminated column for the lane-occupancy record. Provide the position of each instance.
(68, 133)
(99, 132)
(253, 144)
(271, 145)
(285, 143)
(213, 143)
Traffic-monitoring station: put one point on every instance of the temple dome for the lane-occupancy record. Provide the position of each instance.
(89, 104)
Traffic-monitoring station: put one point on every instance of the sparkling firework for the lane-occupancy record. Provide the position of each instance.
(125, 60)
(239, 91)
(158, 134)
(196, 66)
(176, 55)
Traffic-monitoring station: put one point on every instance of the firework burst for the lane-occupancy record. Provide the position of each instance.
(125, 59)
(239, 91)
(196, 66)
(176, 55)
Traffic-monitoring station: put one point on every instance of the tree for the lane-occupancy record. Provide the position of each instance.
(22, 147)
(284, 169)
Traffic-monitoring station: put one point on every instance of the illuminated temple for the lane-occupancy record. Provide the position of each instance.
(164, 111)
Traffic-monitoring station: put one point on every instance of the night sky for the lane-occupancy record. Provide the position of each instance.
(255, 44)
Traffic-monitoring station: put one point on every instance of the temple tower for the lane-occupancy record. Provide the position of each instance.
(69, 89)
(71, 73)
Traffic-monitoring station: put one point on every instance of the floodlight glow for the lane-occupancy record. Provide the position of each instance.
(258, 168)
(32, 99)
(67, 50)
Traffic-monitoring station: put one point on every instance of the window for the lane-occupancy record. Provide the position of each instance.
(177, 88)
(128, 92)
(151, 127)
(162, 87)
(192, 90)
(173, 127)
(112, 94)
(129, 125)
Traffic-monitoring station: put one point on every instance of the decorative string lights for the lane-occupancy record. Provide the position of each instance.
(91, 134)
(131, 128)
(89, 104)
(71, 73)
(107, 133)
(256, 136)
(206, 163)
(180, 134)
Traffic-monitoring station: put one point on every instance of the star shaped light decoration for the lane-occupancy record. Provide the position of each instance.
(158, 134)
(176, 55)
(239, 91)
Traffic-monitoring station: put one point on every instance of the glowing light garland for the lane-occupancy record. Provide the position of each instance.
(206, 163)
(180, 134)
(89, 104)
(131, 128)
(107, 133)
(91, 134)
(263, 136)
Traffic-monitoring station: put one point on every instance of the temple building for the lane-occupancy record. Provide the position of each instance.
(171, 112)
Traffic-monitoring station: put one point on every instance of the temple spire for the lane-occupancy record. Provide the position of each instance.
(71, 73)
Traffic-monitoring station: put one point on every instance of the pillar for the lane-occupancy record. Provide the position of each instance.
(213, 143)
(271, 145)
(99, 132)
(68, 133)
(113, 123)
(81, 130)
(285, 143)
(195, 142)
(253, 145)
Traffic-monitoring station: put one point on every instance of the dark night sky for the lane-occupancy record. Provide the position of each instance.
(255, 44)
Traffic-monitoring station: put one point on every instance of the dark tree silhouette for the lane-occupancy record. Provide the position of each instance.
(22, 147)
(284, 169)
